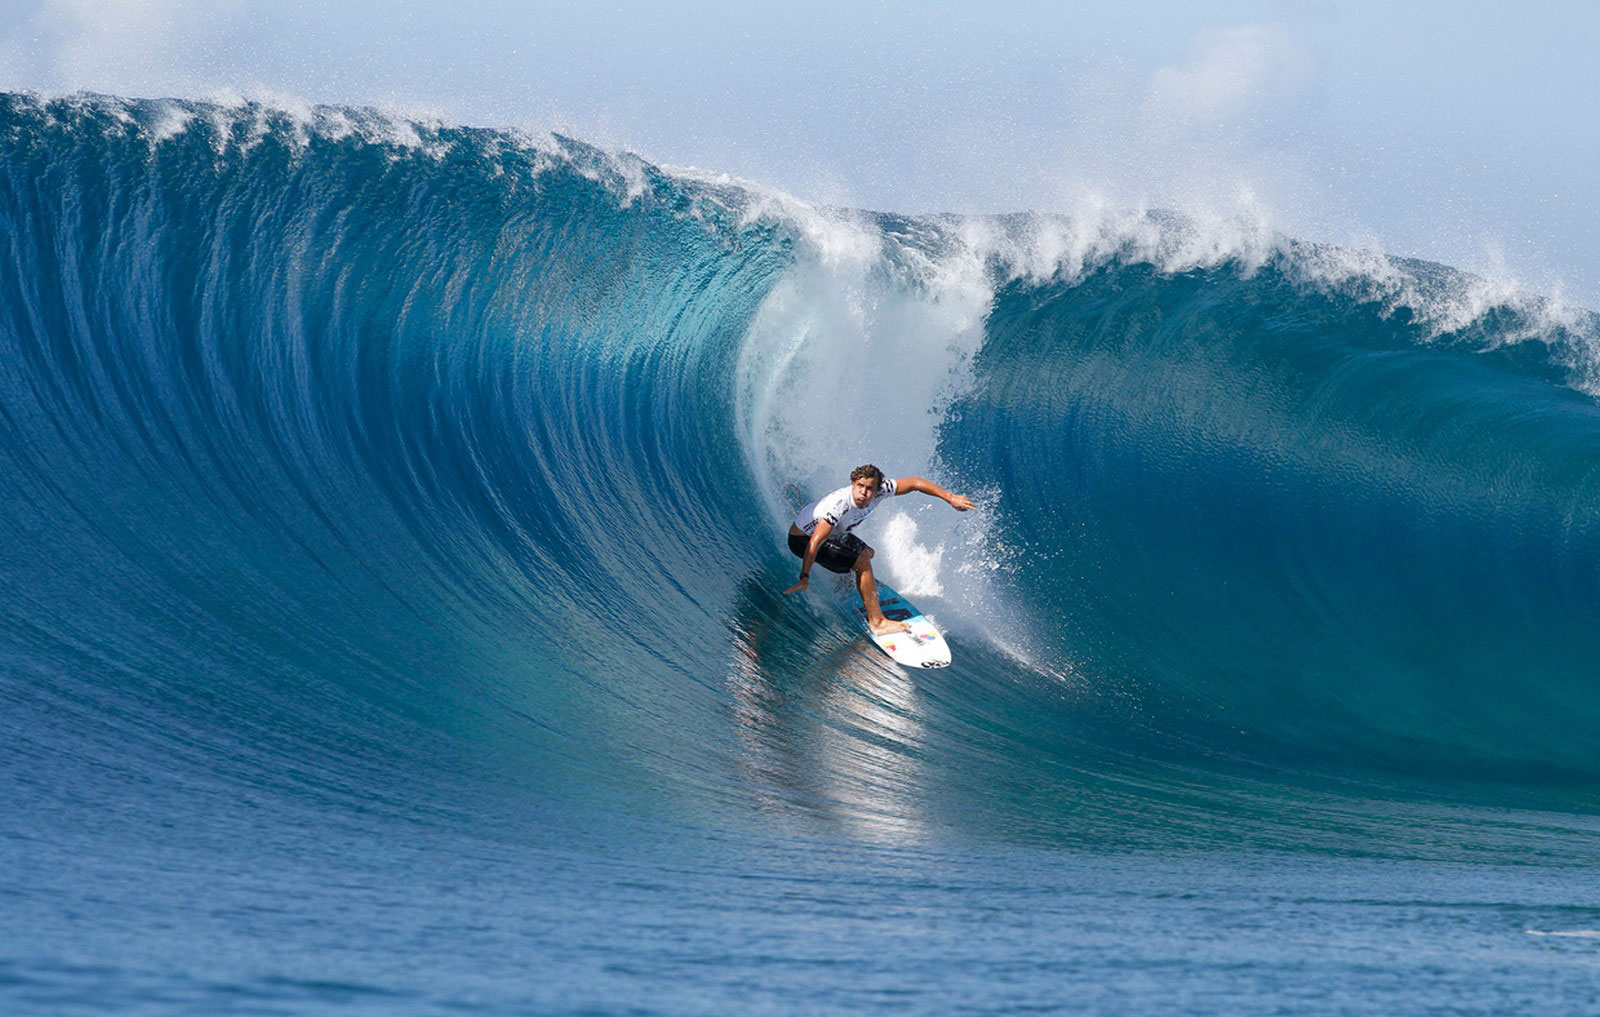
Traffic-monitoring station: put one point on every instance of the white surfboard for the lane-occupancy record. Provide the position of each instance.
(922, 646)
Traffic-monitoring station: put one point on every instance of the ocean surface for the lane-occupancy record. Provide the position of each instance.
(391, 556)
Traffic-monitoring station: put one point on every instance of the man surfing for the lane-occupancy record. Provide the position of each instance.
(821, 534)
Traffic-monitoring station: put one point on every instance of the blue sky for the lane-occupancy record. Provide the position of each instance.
(1466, 133)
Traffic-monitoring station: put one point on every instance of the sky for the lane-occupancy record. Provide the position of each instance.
(1467, 133)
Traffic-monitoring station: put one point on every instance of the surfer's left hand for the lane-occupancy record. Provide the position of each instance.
(960, 502)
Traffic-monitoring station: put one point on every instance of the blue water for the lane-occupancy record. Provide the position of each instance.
(391, 622)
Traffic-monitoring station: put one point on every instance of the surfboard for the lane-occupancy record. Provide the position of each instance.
(923, 646)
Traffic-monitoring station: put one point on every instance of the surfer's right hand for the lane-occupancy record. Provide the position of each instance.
(803, 584)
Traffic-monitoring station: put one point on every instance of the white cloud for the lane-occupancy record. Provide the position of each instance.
(1230, 74)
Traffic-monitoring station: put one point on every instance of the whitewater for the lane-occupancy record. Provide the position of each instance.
(391, 556)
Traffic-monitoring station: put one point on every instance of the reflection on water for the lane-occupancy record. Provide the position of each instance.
(828, 728)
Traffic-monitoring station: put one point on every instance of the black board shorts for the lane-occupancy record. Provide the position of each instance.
(834, 555)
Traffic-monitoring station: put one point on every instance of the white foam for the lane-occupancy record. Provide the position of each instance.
(1442, 301)
(1445, 301)
(1098, 231)
(916, 565)
(172, 121)
(1565, 933)
(854, 356)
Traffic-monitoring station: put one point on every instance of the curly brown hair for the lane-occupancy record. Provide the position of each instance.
(868, 470)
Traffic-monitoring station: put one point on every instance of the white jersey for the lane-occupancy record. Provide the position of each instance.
(840, 510)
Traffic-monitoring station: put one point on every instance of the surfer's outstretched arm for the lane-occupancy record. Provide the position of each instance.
(818, 535)
(905, 485)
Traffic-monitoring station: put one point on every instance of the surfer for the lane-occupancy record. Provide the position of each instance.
(821, 533)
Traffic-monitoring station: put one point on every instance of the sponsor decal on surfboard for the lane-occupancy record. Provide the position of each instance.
(920, 646)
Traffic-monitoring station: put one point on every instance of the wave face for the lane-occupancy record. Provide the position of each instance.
(1312, 519)
(355, 460)
(348, 441)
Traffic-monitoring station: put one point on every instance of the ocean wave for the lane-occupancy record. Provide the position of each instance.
(342, 446)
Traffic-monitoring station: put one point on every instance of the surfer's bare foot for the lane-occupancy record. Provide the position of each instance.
(885, 627)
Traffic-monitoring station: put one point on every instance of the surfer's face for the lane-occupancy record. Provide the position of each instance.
(862, 490)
